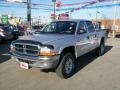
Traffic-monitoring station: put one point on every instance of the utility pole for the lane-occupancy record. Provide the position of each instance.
(29, 12)
(54, 1)
(54, 11)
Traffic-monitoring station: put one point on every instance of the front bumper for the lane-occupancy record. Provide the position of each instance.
(39, 62)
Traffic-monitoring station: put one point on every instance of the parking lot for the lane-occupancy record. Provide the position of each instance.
(92, 73)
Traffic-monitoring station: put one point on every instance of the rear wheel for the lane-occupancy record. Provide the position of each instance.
(101, 49)
(66, 66)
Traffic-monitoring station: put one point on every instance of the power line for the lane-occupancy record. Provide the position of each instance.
(35, 4)
(42, 7)
(20, 5)
(25, 7)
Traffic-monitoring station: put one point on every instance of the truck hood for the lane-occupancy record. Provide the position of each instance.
(45, 38)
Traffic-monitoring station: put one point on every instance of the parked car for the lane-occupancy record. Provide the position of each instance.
(2, 36)
(7, 33)
(58, 45)
(36, 27)
(14, 31)
(22, 29)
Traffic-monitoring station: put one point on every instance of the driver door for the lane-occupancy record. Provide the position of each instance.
(82, 39)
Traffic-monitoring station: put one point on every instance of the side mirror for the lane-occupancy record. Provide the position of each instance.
(81, 31)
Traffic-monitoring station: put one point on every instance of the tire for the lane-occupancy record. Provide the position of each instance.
(66, 66)
(15, 37)
(0, 40)
(101, 49)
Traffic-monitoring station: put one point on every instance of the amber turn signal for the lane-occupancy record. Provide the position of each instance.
(47, 54)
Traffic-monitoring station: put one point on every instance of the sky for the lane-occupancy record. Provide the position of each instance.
(107, 13)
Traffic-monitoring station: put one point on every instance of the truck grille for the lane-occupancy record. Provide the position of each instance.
(27, 49)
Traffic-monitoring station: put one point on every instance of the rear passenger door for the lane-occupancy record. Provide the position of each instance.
(92, 35)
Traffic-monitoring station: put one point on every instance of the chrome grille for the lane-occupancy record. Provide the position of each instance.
(27, 49)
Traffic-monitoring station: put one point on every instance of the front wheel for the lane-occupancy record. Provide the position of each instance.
(66, 66)
(0, 40)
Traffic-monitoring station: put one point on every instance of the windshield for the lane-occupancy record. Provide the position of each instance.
(61, 27)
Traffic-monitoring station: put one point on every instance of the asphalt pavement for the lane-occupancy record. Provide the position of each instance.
(92, 73)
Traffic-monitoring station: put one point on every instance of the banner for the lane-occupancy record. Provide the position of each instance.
(89, 7)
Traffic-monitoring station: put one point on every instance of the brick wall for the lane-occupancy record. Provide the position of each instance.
(108, 24)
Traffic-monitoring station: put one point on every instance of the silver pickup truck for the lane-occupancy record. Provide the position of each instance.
(58, 45)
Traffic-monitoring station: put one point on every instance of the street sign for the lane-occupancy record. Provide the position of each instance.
(4, 19)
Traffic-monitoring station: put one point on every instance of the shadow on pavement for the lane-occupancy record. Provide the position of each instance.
(5, 47)
(87, 59)
(4, 58)
(83, 61)
(4, 50)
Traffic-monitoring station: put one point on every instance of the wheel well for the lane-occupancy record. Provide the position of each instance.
(70, 49)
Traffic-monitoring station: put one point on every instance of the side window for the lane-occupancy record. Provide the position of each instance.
(81, 27)
(96, 26)
(90, 26)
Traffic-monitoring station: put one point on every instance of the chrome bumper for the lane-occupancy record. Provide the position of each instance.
(39, 61)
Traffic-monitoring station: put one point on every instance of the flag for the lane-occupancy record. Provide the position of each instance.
(58, 3)
(77, 8)
(14, 0)
(72, 10)
(103, 0)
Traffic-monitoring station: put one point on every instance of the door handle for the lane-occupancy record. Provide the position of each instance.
(88, 37)
(95, 35)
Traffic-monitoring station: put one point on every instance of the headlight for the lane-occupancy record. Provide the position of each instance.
(12, 48)
(1, 30)
(15, 30)
(46, 51)
(2, 34)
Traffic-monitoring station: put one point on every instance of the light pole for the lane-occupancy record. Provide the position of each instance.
(29, 12)
(96, 10)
